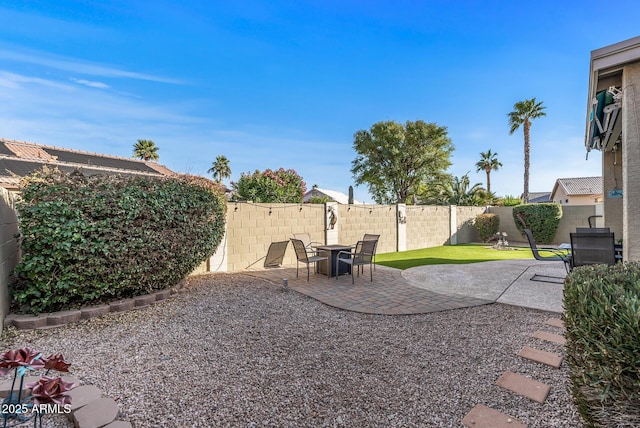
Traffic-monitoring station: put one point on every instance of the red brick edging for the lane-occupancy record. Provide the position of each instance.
(58, 319)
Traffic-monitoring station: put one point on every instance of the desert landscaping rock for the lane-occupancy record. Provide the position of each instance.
(238, 351)
(83, 395)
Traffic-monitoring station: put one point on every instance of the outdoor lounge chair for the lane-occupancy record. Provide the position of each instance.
(558, 255)
(275, 254)
(362, 255)
(305, 255)
(592, 230)
(592, 248)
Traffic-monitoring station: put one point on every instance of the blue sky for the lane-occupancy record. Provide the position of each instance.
(278, 83)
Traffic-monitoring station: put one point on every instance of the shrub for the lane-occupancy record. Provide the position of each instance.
(282, 185)
(487, 225)
(90, 239)
(602, 319)
(510, 201)
(542, 219)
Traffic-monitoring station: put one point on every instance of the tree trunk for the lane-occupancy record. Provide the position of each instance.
(525, 193)
(488, 171)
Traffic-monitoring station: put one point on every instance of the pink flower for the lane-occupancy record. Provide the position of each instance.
(56, 362)
(50, 390)
(23, 357)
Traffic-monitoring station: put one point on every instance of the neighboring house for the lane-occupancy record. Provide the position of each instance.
(539, 197)
(333, 195)
(19, 159)
(577, 191)
(613, 115)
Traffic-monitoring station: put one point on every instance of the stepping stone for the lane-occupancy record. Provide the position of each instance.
(550, 337)
(555, 322)
(527, 387)
(542, 357)
(482, 416)
(5, 387)
(119, 424)
(96, 414)
(83, 395)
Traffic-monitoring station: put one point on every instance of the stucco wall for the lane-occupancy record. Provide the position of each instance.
(9, 249)
(631, 161)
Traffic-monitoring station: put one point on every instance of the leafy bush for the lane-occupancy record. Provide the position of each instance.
(282, 185)
(602, 319)
(91, 239)
(542, 219)
(510, 201)
(487, 225)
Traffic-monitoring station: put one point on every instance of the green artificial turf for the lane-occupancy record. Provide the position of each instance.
(451, 254)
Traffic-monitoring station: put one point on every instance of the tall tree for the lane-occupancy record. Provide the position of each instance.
(523, 113)
(488, 162)
(146, 150)
(393, 159)
(220, 169)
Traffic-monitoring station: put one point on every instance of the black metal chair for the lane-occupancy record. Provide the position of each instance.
(558, 255)
(592, 248)
(305, 255)
(592, 230)
(370, 237)
(362, 255)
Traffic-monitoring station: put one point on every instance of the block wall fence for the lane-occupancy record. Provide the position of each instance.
(251, 228)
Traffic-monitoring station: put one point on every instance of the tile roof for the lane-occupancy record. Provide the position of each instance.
(19, 158)
(539, 197)
(579, 185)
(339, 197)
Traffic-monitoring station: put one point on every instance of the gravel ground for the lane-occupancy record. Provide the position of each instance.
(237, 351)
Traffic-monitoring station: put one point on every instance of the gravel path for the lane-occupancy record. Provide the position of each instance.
(236, 351)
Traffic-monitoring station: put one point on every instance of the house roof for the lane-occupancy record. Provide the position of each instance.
(19, 159)
(339, 197)
(578, 186)
(539, 197)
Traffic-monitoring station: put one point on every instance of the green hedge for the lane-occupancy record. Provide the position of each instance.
(542, 219)
(602, 319)
(86, 240)
(487, 225)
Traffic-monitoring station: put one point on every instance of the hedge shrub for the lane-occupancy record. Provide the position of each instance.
(86, 240)
(542, 219)
(602, 319)
(487, 225)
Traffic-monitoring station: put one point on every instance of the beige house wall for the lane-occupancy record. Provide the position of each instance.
(9, 248)
(630, 162)
(563, 199)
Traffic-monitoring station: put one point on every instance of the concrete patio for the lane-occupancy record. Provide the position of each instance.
(432, 288)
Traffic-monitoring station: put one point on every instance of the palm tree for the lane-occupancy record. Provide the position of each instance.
(146, 150)
(488, 161)
(220, 168)
(523, 113)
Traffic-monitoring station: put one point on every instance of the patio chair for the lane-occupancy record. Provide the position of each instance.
(370, 237)
(305, 255)
(362, 255)
(306, 240)
(558, 255)
(275, 254)
(592, 248)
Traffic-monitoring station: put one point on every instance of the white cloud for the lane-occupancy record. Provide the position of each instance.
(79, 66)
(90, 84)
